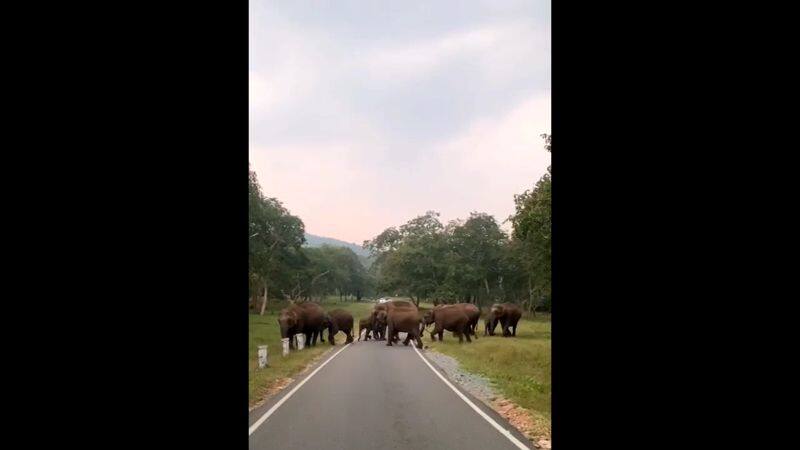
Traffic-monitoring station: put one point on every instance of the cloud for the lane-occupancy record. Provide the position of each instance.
(357, 129)
(494, 159)
(496, 50)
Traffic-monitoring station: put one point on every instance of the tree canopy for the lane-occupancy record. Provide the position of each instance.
(470, 260)
(280, 263)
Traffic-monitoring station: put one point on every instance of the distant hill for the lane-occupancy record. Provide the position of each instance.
(318, 241)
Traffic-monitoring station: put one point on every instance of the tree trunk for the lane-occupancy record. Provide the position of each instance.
(486, 283)
(266, 292)
(530, 293)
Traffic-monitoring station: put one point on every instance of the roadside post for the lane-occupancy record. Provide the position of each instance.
(301, 341)
(262, 356)
(285, 342)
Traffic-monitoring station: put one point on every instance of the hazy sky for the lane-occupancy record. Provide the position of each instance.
(365, 114)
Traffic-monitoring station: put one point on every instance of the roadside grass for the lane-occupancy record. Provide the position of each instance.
(264, 330)
(518, 367)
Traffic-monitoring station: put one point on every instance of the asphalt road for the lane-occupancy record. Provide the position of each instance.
(371, 396)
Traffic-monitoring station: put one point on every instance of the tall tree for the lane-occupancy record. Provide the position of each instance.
(275, 240)
(532, 223)
(478, 247)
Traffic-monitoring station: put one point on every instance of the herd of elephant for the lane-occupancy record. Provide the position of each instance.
(394, 317)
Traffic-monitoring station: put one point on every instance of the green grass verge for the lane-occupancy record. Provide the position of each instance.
(264, 331)
(518, 367)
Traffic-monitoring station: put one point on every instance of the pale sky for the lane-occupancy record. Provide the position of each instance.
(365, 114)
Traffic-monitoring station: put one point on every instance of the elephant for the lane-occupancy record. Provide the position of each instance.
(450, 318)
(402, 317)
(473, 314)
(365, 324)
(508, 315)
(379, 322)
(305, 318)
(490, 323)
(339, 320)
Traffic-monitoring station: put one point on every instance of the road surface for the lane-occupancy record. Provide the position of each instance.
(369, 396)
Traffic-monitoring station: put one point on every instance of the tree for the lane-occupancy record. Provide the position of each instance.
(532, 224)
(410, 260)
(424, 259)
(478, 245)
(275, 240)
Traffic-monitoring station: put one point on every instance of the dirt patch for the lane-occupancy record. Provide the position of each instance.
(534, 428)
(532, 425)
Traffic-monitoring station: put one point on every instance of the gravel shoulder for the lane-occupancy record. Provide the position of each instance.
(482, 389)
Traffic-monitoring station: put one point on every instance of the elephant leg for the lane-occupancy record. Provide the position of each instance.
(433, 336)
(407, 339)
(413, 336)
(467, 333)
(419, 340)
(390, 334)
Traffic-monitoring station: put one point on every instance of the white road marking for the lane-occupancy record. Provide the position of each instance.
(266, 415)
(491, 421)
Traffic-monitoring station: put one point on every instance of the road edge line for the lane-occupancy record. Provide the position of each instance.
(480, 412)
(269, 412)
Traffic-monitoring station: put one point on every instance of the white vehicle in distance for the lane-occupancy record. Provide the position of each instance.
(383, 299)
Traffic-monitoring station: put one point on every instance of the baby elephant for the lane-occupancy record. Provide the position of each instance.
(365, 324)
(340, 320)
(450, 318)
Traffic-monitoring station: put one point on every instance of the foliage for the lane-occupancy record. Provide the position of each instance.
(278, 260)
(471, 260)
(532, 224)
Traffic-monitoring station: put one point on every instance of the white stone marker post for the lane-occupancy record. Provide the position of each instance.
(301, 341)
(262, 356)
(285, 342)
